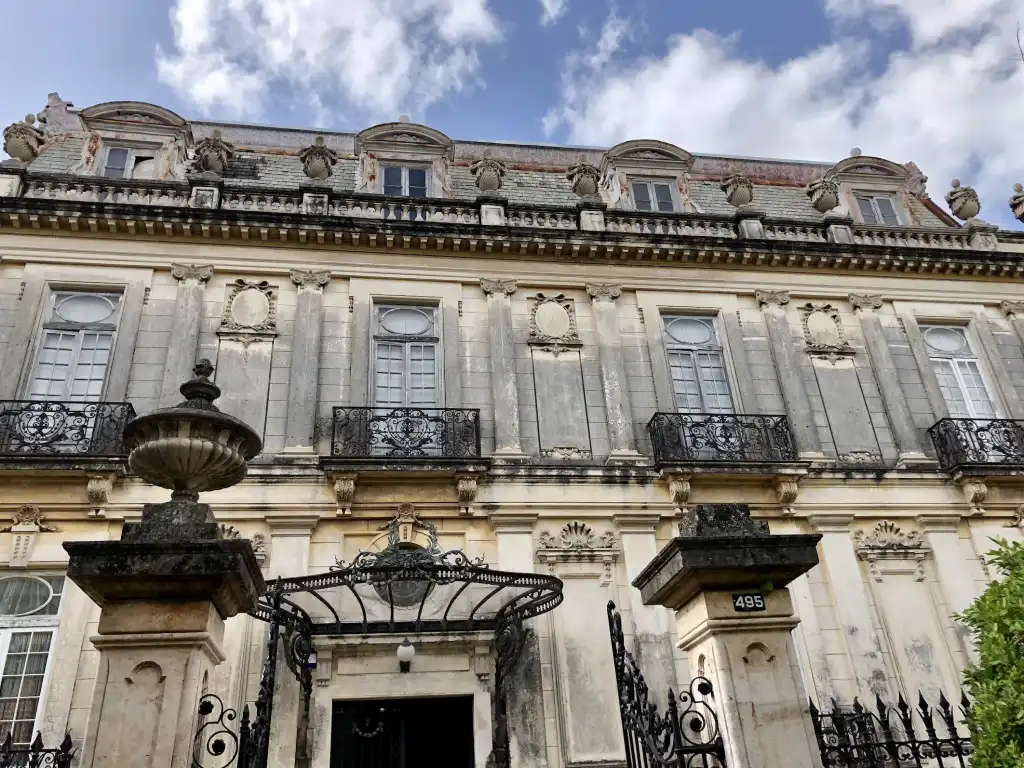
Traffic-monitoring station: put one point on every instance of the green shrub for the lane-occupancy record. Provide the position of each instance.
(996, 682)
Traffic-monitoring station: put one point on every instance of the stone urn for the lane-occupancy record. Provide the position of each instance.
(963, 201)
(824, 194)
(213, 154)
(738, 190)
(318, 160)
(22, 141)
(489, 173)
(192, 447)
(584, 178)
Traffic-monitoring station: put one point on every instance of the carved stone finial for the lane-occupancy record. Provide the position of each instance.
(963, 201)
(310, 279)
(213, 154)
(767, 298)
(739, 190)
(501, 287)
(603, 290)
(184, 272)
(23, 140)
(824, 194)
(1017, 202)
(488, 172)
(865, 302)
(318, 159)
(585, 178)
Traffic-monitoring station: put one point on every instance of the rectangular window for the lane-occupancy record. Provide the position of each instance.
(403, 181)
(958, 372)
(406, 365)
(878, 209)
(129, 163)
(652, 196)
(75, 347)
(697, 363)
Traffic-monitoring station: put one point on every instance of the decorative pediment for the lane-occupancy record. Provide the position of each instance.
(404, 137)
(134, 115)
(578, 543)
(649, 153)
(887, 541)
(866, 165)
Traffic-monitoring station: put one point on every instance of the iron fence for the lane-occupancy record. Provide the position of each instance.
(35, 755)
(75, 429)
(696, 438)
(408, 433)
(962, 442)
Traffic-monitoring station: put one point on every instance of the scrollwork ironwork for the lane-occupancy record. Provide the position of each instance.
(49, 428)
(214, 737)
(720, 437)
(35, 755)
(411, 433)
(963, 442)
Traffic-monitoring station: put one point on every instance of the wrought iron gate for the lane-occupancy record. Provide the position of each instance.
(686, 736)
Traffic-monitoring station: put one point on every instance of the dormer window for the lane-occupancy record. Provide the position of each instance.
(128, 163)
(405, 181)
(649, 195)
(878, 209)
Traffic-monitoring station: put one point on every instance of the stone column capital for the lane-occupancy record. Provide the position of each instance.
(771, 298)
(498, 287)
(865, 302)
(309, 279)
(1012, 309)
(191, 272)
(603, 291)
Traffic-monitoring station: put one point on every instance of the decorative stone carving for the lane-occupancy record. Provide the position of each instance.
(98, 491)
(229, 532)
(739, 190)
(250, 308)
(315, 204)
(344, 493)
(566, 452)
(1017, 521)
(679, 492)
(28, 524)
(768, 298)
(500, 287)
(1017, 202)
(824, 194)
(1012, 309)
(367, 172)
(916, 183)
(975, 492)
(465, 487)
(584, 178)
(191, 272)
(204, 197)
(823, 331)
(23, 140)
(440, 171)
(213, 154)
(576, 542)
(609, 291)
(963, 201)
(488, 173)
(888, 542)
(865, 302)
(553, 323)
(318, 160)
(259, 547)
(309, 279)
(30, 516)
(786, 489)
(55, 118)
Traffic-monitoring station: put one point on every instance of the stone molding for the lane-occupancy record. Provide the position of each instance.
(887, 541)
(1012, 309)
(553, 323)
(263, 322)
(609, 291)
(865, 302)
(192, 272)
(30, 516)
(499, 287)
(577, 543)
(771, 298)
(310, 279)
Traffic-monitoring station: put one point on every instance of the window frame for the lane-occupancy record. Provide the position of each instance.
(953, 357)
(650, 181)
(873, 196)
(405, 168)
(378, 308)
(133, 152)
(719, 346)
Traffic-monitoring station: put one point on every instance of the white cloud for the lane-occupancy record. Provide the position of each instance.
(553, 10)
(378, 56)
(952, 100)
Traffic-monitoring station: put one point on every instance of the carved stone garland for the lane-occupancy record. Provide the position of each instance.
(887, 541)
(577, 543)
(823, 331)
(553, 323)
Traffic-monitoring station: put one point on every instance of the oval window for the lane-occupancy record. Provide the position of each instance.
(405, 321)
(84, 308)
(690, 330)
(23, 595)
(946, 339)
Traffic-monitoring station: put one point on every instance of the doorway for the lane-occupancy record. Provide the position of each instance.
(403, 733)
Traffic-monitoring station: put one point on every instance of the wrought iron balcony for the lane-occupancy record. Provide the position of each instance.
(988, 443)
(406, 433)
(47, 429)
(720, 438)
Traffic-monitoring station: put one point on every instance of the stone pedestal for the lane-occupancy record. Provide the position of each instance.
(724, 577)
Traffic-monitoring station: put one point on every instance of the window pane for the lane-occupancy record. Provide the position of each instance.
(684, 382)
(405, 321)
(887, 211)
(641, 196)
(392, 180)
(20, 596)
(867, 211)
(84, 308)
(417, 182)
(422, 375)
(390, 375)
(117, 159)
(949, 385)
(978, 400)
(49, 380)
(714, 383)
(22, 683)
(663, 193)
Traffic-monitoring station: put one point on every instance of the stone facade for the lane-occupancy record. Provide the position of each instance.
(842, 342)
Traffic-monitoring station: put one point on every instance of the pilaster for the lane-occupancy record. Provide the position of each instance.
(941, 532)
(504, 392)
(184, 336)
(304, 375)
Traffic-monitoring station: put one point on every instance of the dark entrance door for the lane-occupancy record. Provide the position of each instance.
(403, 733)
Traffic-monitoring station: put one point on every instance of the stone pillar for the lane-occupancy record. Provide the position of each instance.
(896, 407)
(304, 375)
(1014, 311)
(613, 374)
(504, 391)
(184, 336)
(739, 631)
(652, 630)
(790, 371)
(951, 563)
(851, 599)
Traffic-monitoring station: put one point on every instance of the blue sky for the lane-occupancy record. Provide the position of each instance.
(935, 81)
